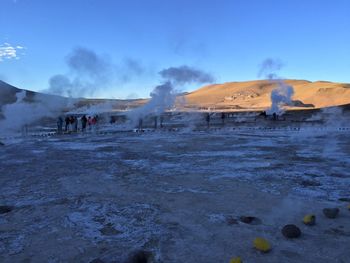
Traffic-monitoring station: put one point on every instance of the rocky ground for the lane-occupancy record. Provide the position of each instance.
(178, 195)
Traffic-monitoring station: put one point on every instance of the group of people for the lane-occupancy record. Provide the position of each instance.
(75, 123)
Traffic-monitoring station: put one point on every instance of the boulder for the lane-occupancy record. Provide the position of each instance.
(291, 231)
(262, 245)
(331, 212)
(250, 220)
(236, 260)
(5, 209)
(344, 199)
(309, 220)
(140, 256)
(109, 230)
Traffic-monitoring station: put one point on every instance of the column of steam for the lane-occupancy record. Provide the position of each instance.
(282, 94)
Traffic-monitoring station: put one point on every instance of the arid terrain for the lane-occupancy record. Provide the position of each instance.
(178, 192)
(255, 95)
(230, 96)
(177, 195)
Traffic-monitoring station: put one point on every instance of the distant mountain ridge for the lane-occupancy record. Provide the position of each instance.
(247, 95)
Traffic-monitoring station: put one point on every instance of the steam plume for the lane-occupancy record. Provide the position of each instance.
(24, 112)
(90, 73)
(163, 97)
(185, 74)
(282, 94)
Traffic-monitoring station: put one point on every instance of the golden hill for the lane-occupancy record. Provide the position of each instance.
(255, 95)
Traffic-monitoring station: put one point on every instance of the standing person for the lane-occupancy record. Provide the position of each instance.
(207, 118)
(89, 122)
(59, 125)
(140, 124)
(83, 123)
(161, 121)
(223, 117)
(71, 122)
(66, 122)
(75, 123)
(93, 123)
(275, 116)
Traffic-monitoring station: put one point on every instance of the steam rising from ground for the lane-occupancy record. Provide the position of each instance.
(283, 93)
(164, 96)
(90, 73)
(24, 112)
(185, 74)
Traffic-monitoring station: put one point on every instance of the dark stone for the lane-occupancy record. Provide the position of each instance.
(310, 220)
(307, 183)
(5, 209)
(344, 199)
(109, 230)
(97, 260)
(331, 212)
(140, 257)
(231, 221)
(2, 144)
(291, 231)
(252, 220)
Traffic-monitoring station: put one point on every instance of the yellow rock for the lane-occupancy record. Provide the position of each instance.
(236, 260)
(349, 206)
(309, 220)
(262, 244)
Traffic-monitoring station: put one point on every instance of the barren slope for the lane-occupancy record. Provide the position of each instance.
(256, 94)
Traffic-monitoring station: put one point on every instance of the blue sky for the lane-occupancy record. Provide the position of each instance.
(228, 38)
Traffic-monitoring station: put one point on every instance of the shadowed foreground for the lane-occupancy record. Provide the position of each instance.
(178, 196)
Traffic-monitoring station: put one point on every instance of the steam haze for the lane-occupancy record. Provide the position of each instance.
(90, 74)
(186, 75)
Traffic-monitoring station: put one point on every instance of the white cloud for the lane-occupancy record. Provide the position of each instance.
(8, 51)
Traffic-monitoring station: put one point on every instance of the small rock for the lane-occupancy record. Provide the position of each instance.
(309, 220)
(262, 244)
(2, 144)
(140, 257)
(291, 231)
(250, 220)
(348, 206)
(307, 183)
(109, 230)
(344, 199)
(5, 209)
(236, 260)
(331, 212)
(97, 260)
(231, 221)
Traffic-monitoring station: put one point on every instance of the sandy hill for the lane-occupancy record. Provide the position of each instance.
(255, 95)
(248, 95)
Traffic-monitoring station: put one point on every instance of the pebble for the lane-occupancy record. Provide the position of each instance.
(331, 212)
(309, 220)
(262, 244)
(5, 209)
(236, 260)
(291, 231)
(250, 220)
(140, 256)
